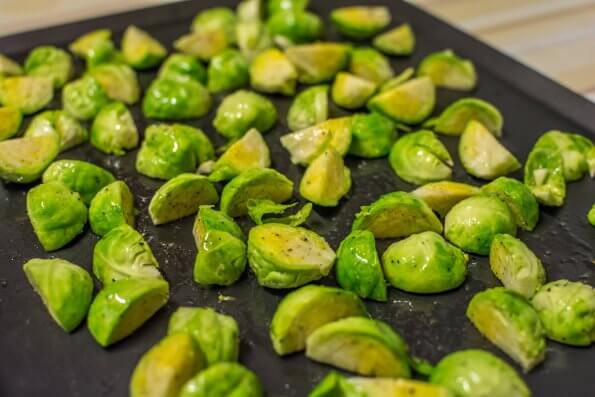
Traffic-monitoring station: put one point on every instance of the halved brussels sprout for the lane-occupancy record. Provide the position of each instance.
(217, 335)
(10, 121)
(309, 108)
(478, 373)
(447, 69)
(221, 259)
(259, 183)
(442, 196)
(65, 289)
(567, 311)
(272, 72)
(140, 49)
(79, 176)
(242, 111)
(51, 62)
(574, 162)
(482, 155)
(176, 99)
(420, 157)
(83, 98)
(295, 27)
(111, 207)
(350, 91)
(203, 44)
(9, 67)
(166, 367)
(223, 380)
(371, 65)
(358, 267)
(181, 196)
(209, 220)
(23, 160)
(399, 79)
(252, 37)
(275, 6)
(521, 202)
(113, 130)
(227, 71)
(84, 44)
(397, 41)
(360, 345)
(121, 307)
(372, 135)
(303, 311)
(319, 62)
(544, 176)
(396, 214)
(336, 385)
(56, 122)
(216, 19)
(409, 103)
(182, 67)
(591, 215)
(284, 256)
(360, 22)
(326, 180)
(381, 387)
(258, 208)
(29, 94)
(454, 119)
(472, 223)
(118, 80)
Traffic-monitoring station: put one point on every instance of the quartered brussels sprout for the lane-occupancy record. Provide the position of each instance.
(140, 49)
(284, 256)
(336, 385)
(319, 62)
(65, 289)
(424, 263)
(175, 99)
(216, 19)
(521, 202)
(399, 79)
(223, 380)
(591, 215)
(221, 259)
(360, 22)
(294, 27)
(396, 214)
(372, 135)
(272, 72)
(50, 62)
(409, 103)
(358, 267)
(397, 41)
(121, 307)
(309, 108)
(111, 207)
(258, 209)
(360, 345)
(510, 322)
(381, 387)
(544, 176)
(371, 65)
(265, 183)
(350, 91)
(84, 44)
(103, 52)
(203, 44)
(242, 111)
(182, 67)
(252, 37)
(57, 214)
(447, 69)
(217, 335)
(478, 373)
(574, 161)
(275, 6)
(9, 67)
(303, 311)
(567, 311)
(420, 157)
(10, 121)
(113, 130)
(472, 223)
(227, 71)
(326, 180)
(454, 119)
(79, 176)
(29, 94)
(442, 196)
(83, 98)
(210, 220)
(166, 367)
(57, 122)
(482, 155)
(23, 160)
(118, 80)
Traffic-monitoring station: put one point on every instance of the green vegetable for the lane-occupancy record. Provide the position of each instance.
(118, 80)
(326, 180)
(23, 160)
(295, 27)
(56, 122)
(176, 99)
(591, 215)
(397, 41)
(65, 289)
(221, 19)
(83, 98)
(336, 385)
(113, 130)
(544, 176)
(10, 121)
(442, 196)
(309, 108)
(182, 67)
(447, 69)
(521, 202)
(50, 62)
(272, 72)
(242, 111)
(223, 380)
(140, 49)
(319, 62)
(275, 6)
(84, 45)
(103, 52)
(227, 71)
(252, 37)
(258, 208)
(360, 22)
(350, 91)
(371, 65)
(203, 44)
(208, 220)
(372, 135)
(29, 94)
(454, 119)
(409, 103)
(574, 161)
(379, 387)
(9, 67)
(111, 207)
(250, 10)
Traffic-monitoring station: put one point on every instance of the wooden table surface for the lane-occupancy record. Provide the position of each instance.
(556, 37)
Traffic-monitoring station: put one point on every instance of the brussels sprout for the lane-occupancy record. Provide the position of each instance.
(360, 22)
(223, 380)
(228, 70)
(454, 119)
(170, 150)
(371, 65)
(319, 62)
(221, 259)
(50, 62)
(56, 122)
(83, 98)
(482, 155)
(166, 367)
(396, 214)
(358, 267)
(372, 135)
(350, 91)
(409, 103)
(257, 209)
(381, 387)
(121, 307)
(23, 160)
(272, 72)
(79, 176)
(181, 196)
(168, 99)
(295, 27)
(85, 44)
(210, 220)
(29, 94)
(275, 6)
(8, 67)
(544, 176)
(216, 19)
(574, 162)
(258, 183)
(360, 345)
(478, 373)
(591, 215)
(103, 52)
(472, 223)
(442, 196)
(252, 37)
(118, 81)
(250, 10)
(521, 202)
(203, 44)
(140, 49)
(182, 67)
(283, 256)
(399, 79)
(326, 180)
(113, 130)
(111, 207)
(303, 311)
(336, 385)
(242, 111)
(10, 121)
(397, 41)
(217, 335)
(65, 289)
(309, 108)
(420, 157)
(447, 69)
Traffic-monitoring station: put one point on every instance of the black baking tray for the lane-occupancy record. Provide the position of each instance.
(39, 359)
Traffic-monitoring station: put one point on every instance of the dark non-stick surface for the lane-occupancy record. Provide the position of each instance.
(39, 359)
